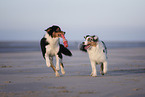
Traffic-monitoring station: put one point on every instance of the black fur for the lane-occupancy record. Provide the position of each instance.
(82, 47)
(43, 43)
(104, 46)
(86, 36)
(102, 68)
(52, 29)
(64, 50)
(95, 40)
(59, 54)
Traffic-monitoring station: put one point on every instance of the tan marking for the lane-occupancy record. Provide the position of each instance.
(53, 67)
(92, 44)
(62, 69)
(58, 34)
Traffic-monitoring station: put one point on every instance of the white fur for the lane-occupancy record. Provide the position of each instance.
(52, 50)
(97, 56)
(86, 41)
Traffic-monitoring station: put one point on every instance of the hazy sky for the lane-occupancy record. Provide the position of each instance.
(111, 20)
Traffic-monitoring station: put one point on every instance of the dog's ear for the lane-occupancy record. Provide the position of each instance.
(95, 38)
(86, 36)
(49, 31)
(56, 28)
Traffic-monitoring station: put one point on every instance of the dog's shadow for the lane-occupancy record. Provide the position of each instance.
(122, 72)
(119, 72)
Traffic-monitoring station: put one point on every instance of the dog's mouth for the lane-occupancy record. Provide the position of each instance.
(87, 46)
(58, 34)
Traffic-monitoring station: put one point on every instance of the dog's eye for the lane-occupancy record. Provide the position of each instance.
(89, 39)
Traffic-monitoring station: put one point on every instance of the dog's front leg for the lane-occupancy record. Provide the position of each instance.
(94, 72)
(48, 63)
(57, 65)
(105, 67)
(51, 62)
(57, 62)
(56, 72)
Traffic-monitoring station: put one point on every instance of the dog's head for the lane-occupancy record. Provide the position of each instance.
(90, 41)
(54, 31)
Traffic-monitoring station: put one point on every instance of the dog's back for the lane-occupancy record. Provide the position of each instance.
(104, 46)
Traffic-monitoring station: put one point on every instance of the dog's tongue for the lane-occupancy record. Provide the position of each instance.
(87, 46)
(64, 41)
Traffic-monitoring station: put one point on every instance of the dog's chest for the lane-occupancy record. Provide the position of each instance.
(53, 47)
(96, 54)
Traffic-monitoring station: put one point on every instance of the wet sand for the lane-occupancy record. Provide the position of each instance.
(24, 74)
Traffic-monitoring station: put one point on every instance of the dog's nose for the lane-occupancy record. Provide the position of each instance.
(83, 42)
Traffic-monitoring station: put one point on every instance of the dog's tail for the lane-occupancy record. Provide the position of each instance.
(65, 51)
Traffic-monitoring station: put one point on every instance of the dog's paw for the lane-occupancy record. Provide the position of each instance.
(48, 64)
(57, 74)
(57, 68)
(93, 75)
(63, 72)
(101, 73)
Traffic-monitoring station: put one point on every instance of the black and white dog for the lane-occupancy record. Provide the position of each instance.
(97, 53)
(50, 47)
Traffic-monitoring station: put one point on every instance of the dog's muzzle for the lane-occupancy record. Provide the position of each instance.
(87, 46)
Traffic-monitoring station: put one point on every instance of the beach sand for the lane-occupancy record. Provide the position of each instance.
(24, 74)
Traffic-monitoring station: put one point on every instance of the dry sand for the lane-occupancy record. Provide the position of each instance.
(25, 74)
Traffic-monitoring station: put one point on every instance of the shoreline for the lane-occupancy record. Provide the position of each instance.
(73, 45)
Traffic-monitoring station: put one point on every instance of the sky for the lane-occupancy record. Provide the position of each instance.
(110, 20)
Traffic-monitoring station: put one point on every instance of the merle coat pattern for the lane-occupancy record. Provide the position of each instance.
(97, 52)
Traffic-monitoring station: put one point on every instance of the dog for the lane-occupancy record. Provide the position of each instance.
(97, 52)
(50, 47)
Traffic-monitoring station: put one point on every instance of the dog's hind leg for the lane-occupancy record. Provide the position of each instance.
(102, 67)
(53, 67)
(57, 66)
(62, 68)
